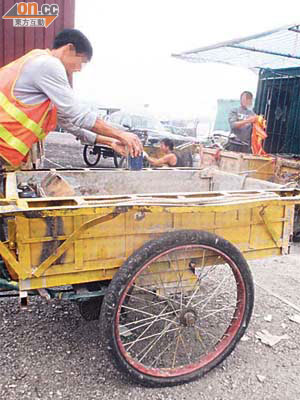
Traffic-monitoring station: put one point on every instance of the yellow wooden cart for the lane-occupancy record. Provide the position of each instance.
(162, 253)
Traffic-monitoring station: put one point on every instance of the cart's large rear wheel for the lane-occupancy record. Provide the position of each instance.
(177, 307)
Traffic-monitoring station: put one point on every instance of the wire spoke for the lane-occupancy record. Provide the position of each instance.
(175, 352)
(162, 352)
(185, 349)
(225, 308)
(200, 339)
(206, 333)
(154, 335)
(160, 295)
(151, 315)
(150, 346)
(212, 295)
(148, 327)
(180, 278)
(169, 302)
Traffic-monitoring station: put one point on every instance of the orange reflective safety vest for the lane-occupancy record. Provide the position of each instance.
(21, 125)
(259, 134)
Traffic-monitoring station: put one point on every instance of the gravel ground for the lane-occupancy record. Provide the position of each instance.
(49, 352)
(70, 152)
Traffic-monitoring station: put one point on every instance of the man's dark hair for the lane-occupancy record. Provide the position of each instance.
(169, 143)
(247, 93)
(77, 39)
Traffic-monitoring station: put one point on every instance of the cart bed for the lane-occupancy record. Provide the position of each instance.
(86, 237)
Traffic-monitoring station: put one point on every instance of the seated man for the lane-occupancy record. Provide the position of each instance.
(241, 121)
(171, 158)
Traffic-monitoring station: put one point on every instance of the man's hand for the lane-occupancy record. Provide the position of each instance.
(128, 139)
(132, 142)
(119, 148)
(252, 119)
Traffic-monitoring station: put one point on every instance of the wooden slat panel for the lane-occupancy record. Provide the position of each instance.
(69, 13)
(8, 35)
(39, 33)
(58, 25)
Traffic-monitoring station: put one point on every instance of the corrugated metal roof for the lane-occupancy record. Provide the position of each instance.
(279, 48)
(14, 42)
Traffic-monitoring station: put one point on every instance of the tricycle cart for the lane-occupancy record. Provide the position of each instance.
(162, 253)
(93, 154)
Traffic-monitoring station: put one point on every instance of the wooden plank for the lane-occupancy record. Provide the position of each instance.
(22, 230)
(80, 246)
(106, 274)
(69, 13)
(287, 228)
(39, 33)
(49, 35)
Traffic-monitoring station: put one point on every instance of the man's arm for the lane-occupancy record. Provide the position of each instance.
(53, 82)
(250, 120)
(113, 143)
(91, 138)
(168, 159)
(234, 122)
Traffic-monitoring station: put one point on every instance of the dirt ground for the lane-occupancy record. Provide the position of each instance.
(63, 150)
(50, 352)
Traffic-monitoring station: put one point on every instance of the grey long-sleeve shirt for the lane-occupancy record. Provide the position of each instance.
(240, 114)
(45, 77)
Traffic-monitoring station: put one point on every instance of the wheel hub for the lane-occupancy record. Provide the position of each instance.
(188, 317)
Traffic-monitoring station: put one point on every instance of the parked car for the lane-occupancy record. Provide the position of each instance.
(147, 127)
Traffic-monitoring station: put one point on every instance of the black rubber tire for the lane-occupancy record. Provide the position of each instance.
(90, 309)
(86, 159)
(117, 160)
(128, 270)
(122, 162)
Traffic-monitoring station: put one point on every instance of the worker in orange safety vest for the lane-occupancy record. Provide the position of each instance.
(35, 89)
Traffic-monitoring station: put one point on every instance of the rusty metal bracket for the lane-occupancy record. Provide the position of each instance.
(68, 242)
(269, 228)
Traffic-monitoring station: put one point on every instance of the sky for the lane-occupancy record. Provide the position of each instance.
(133, 41)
